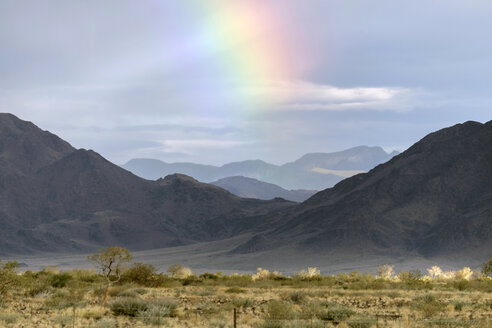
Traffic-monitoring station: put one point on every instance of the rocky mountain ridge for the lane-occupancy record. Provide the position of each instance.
(55, 198)
(433, 199)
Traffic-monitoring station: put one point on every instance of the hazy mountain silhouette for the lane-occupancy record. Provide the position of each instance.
(253, 188)
(314, 171)
(56, 198)
(433, 199)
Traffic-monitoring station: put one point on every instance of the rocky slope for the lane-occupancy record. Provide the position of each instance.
(433, 199)
(56, 198)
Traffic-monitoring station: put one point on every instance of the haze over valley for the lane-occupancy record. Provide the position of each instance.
(312, 171)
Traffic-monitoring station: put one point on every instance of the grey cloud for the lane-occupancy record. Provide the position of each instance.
(123, 77)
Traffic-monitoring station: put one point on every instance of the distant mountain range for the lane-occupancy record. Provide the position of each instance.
(314, 171)
(435, 199)
(252, 188)
(56, 198)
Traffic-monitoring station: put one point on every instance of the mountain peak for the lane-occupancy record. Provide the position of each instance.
(56, 198)
(171, 178)
(26, 148)
(432, 199)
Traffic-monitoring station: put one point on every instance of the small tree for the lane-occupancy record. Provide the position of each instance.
(111, 262)
(487, 268)
(140, 273)
(8, 276)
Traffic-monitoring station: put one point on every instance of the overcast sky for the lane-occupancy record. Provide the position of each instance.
(219, 81)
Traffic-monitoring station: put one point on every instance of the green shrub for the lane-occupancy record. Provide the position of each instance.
(458, 306)
(140, 291)
(128, 293)
(412, 280)
(271, 324)
(241, 280)
(211, 276)
(60, 280)
(8, 277)
(130, 307)
(134, 307)
(448, 322)
(139, 273)
(305, 324)
(37, 288)
(361, 322)
(218, 324)
(235, 290)
(63, 298)
(243, 302)
(9, 318)
(157, 310)
(63, 320)
(460, 284)
(205, 292)
(96, 315)
(336, 314)
(296, 297)
(278, 310)
(88, 276)
(191, 280)
(312, 309)
(59, 300)
(428, 305)
(162, 280)
(105, 323)
(123, 291)
(487, 268)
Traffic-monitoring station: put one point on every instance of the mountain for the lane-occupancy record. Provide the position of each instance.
(24, 148)
(314, 171)
(55, 198)
(358, 158)
(252, 188)
(434, 199)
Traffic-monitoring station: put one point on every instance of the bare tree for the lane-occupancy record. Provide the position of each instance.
(111, 262)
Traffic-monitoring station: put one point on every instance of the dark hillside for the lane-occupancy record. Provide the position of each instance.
(433, 199)
(58, 199)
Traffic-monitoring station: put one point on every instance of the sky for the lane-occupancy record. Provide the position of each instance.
(217, 81)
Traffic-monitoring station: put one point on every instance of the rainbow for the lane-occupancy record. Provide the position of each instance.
(242, 42)
(239, 32)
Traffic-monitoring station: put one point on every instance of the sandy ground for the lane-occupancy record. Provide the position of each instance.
(215, 256)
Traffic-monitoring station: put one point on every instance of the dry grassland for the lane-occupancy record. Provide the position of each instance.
(144, 298)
